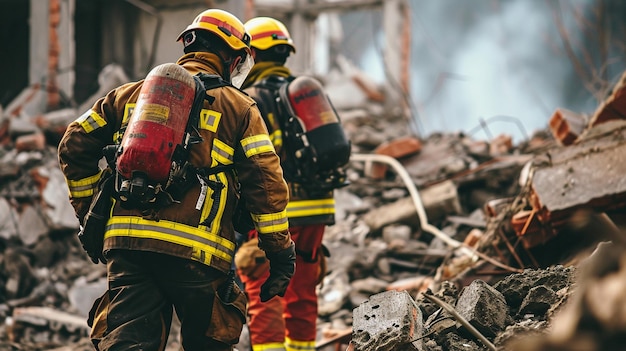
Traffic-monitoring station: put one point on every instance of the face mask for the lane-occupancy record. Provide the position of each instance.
(239, 74)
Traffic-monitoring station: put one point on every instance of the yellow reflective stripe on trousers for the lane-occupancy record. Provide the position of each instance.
(257, 144)
(306, 208)
(84, 187)
(91, 121)
(271, 223)
(222, 153)
(294, 345)
(177, 233)
(275, 346)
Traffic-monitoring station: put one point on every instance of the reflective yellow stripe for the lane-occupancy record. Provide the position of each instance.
(208, 203)
(91, 121)
(222, 153)
(209, 120)
(305, 208)
(271, 223)
(84, 187)
(177, 233)
(277, 138)
(294, 345)
(277, 135)
(275, 346)
(128, 111)
(257, 144)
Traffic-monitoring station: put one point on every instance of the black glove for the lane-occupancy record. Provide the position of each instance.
(282, 267)
(92, 226)
(92, 244)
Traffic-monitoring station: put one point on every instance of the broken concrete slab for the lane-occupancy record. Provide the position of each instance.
(82, 294)
(587, 174)
(59, 213)
(32, 224)
(516, 287)
(388, 321)
(33, 324)
(8, 220)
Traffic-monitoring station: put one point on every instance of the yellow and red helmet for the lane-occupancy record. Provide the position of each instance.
(267, 32)
(223, 24)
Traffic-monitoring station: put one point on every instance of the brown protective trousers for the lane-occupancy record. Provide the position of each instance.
(145, 288)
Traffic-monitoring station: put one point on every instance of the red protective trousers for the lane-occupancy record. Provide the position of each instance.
(288, 323)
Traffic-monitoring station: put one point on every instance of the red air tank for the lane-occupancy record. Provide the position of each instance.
(322, 127)
(157, 124)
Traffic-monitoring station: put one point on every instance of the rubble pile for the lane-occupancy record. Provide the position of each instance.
(544, 204)
(449, 242)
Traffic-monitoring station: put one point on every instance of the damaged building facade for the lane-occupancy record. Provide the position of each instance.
(442, 242)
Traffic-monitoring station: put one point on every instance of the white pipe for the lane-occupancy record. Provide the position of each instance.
(417, 201)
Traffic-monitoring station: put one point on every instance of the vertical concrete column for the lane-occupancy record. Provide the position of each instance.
(52, 55)
(66, 74)
(302, 30)
(38, 50)
(396, 27)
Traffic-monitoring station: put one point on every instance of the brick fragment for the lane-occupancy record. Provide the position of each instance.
(566, 125)
(398, 149)
(614, 107)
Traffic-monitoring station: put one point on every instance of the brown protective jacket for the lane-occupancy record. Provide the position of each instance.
(233, 134)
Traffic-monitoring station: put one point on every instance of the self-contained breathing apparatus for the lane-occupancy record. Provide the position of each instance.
(150, 167)
(316, 144)
(151, 162)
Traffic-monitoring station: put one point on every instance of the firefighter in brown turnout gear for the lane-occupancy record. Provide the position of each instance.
(310, 157)
(167, 236)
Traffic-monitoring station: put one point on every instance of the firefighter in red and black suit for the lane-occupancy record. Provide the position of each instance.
(179, 257)
(287, 323)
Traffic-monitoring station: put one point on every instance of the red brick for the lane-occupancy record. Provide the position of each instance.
(566, 126)
(500, 145)
(530, 229)
(398, 149)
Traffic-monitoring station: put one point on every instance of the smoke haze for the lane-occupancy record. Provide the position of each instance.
(502, 62)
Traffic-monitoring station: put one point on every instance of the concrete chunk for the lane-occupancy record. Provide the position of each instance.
(590, 173)
(484, 307)
(31, 225)
(8, 219)
(387, 321)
